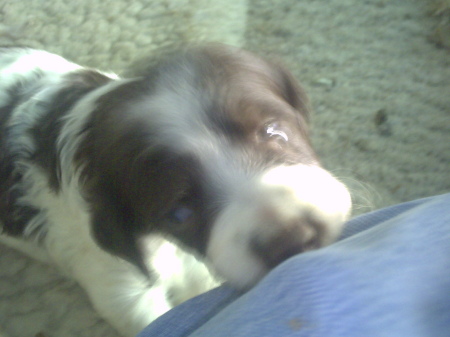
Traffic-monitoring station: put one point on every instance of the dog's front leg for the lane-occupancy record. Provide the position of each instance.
(119, 292)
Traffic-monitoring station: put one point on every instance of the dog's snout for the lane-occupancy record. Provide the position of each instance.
(288, 241)
(286, 211)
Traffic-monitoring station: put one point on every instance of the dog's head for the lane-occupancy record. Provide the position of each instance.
(210, 147)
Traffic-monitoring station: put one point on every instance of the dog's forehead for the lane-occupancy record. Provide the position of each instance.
(214, 109)
(214, 89)
(219, 71)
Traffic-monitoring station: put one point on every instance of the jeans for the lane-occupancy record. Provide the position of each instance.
(388, 275)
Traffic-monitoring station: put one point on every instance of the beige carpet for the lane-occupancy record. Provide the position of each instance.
(379, 83)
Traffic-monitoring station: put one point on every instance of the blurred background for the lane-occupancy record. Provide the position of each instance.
(377, 73)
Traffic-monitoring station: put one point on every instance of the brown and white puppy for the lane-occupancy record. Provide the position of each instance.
(107, 177)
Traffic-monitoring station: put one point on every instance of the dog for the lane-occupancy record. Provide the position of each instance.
(137, 188)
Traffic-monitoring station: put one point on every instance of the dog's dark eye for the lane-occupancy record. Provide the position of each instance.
(273, 130)
(180, 214)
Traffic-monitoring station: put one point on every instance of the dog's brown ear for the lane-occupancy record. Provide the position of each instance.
(292, 91)
(115, 229)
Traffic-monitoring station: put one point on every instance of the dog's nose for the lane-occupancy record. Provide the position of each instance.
(287, 241)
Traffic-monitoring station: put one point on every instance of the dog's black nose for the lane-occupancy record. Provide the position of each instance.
(285, 242)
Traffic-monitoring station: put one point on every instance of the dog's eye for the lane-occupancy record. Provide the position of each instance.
(273, 130)
(180, 214)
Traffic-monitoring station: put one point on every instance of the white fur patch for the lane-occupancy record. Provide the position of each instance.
(41, 69)
(180, 118)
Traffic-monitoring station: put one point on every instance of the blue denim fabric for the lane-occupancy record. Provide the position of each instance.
(389, 275)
